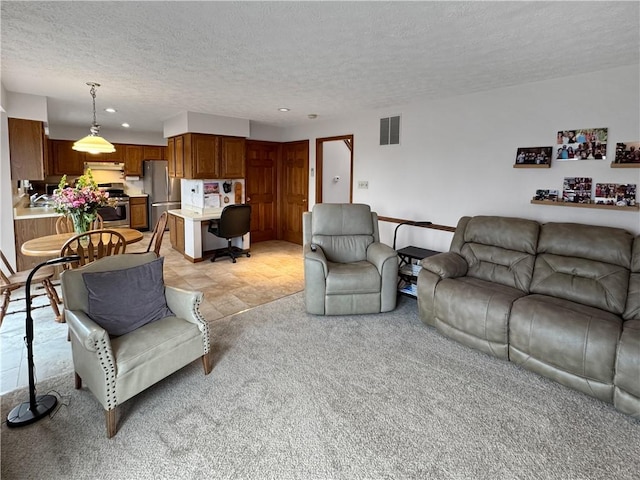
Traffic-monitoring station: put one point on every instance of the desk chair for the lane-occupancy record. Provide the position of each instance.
(65, 224)
(11, 280)
(235, 221)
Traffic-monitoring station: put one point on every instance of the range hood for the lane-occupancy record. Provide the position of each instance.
(104, 166)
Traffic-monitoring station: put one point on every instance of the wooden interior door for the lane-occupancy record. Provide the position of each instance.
(262, 188)
(294, 189)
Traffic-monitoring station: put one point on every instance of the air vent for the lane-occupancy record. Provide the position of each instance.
(390, 131)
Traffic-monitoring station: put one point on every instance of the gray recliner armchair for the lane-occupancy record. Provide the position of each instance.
(116, 366)
(346, 268)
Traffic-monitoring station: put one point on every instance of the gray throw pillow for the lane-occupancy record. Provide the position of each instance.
(121, 301)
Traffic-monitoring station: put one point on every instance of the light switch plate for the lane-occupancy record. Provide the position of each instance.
(363, 184)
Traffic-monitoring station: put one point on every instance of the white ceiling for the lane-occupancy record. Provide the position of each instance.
(247, 59)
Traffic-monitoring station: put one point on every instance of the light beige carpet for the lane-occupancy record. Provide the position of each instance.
(295, 396)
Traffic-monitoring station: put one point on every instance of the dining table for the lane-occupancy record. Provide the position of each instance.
(51, 245)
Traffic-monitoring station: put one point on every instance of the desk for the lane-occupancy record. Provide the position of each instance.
(50, 245)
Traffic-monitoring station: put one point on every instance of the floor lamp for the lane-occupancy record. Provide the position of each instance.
(40, 406)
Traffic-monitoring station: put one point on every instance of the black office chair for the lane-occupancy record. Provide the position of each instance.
(235, 221)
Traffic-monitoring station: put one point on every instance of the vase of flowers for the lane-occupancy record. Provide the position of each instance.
(81, 202)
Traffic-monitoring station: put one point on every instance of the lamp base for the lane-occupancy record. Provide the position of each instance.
(23, 415)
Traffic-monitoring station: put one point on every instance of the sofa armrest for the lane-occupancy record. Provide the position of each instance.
(88, 332)
(446, 265)
(184, 303)
(378, 253)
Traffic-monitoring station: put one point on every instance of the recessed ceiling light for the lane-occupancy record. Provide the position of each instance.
(110, 110)
(283, 109)
(126, 125)
(312, 116)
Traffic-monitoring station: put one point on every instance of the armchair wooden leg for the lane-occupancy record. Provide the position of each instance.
(78, 381)
(110, 418)
(206, 363)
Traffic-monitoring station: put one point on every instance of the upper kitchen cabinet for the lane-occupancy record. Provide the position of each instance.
(153, 152)
(175, 156)
(133, 156)
(27, 149)
(201, 156)
(206, 156)
(232, 157)
(64, 160)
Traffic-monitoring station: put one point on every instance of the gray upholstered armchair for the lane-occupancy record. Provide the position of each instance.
(120, 359)
(346, 268)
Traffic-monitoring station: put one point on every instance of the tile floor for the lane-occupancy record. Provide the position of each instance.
(274, 270)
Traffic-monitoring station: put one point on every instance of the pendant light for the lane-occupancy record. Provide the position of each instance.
(94, 143)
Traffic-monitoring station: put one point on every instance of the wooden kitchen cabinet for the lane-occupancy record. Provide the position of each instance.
(176, 232)
(27, 149)
(133, 156)
(27, 229)
(202, 156)
(138, 213)
(232, 157)
(175, 156)
(64, 160)
(153, 152)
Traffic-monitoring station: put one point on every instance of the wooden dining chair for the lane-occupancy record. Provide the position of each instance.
(158, 233)
(64, 224)
(11, 280)
(92, 245)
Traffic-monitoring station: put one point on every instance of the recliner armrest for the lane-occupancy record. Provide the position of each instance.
(315, 255)
(378, 253)
(446, 265)
(88, 332)
(184, 303)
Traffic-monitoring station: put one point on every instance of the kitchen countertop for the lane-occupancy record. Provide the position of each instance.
(24, 213)
(210, 214)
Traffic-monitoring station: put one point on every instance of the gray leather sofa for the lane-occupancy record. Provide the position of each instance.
(560, 299)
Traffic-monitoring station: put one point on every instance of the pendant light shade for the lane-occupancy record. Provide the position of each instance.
(94, 143)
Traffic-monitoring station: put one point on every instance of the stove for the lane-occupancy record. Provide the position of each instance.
(117, 216)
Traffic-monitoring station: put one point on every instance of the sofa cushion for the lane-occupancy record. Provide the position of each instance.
(498, 249)
(585, 264)
(352, 278)
(121, 301)
(343, 231)
(572, 343)
(475, 312)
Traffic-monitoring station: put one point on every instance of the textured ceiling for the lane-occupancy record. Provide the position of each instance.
(247, 59)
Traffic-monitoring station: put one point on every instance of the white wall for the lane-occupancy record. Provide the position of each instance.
(336, 164)
(456, 154)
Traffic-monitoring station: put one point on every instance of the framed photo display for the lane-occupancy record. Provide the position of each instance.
(576, 190)
(533, 157)
(582, 144)
(628, 152)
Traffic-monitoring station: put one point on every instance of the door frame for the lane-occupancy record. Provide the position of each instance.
(348, 140)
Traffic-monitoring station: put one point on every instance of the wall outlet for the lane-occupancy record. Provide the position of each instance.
(363, 184)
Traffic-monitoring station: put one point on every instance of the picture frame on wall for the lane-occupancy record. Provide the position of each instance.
(533, 157)
(620, 195)
(628, 153)
(576, 190)
(581, 144)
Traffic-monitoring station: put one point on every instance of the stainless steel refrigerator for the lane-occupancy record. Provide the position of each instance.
(163, 191)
